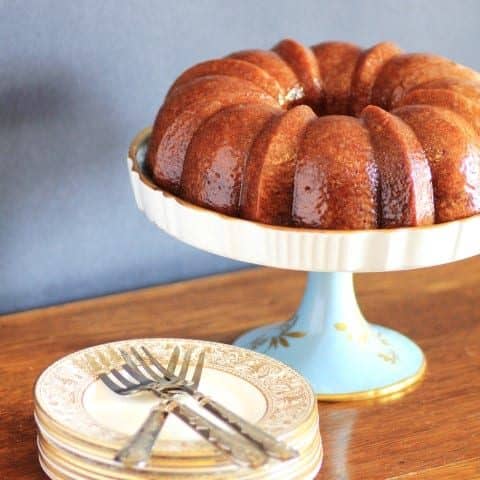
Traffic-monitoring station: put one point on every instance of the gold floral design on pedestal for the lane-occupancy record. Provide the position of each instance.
(391, 356)
(388, 355)
(283, 335)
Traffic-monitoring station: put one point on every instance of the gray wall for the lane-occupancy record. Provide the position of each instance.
(79, 79)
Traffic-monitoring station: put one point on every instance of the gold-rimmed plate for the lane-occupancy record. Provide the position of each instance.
(54, 459)
(71, 401)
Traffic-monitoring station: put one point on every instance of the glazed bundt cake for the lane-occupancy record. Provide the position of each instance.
(330, 137)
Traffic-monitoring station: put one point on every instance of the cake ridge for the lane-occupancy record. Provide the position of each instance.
(176, 123)
(223, 157)
(337, 61)
(231, 67)
(406, 193)
(449, 99)
(274, 64)
(302, 61)
(403, 72)
(455, 165)
(369, 64)
(336, 181)
(267, 191)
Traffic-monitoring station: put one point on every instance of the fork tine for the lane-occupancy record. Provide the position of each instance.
(167, 373)
(198, 369)
(105, 364)
(132, 368)
(185, 365)
(136, 374)
(146, 366)
(110, 384)
(172, 364)
(122, 379)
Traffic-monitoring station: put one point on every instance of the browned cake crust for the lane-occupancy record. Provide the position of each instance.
(468, 88)
(267, 192)
(336, 177)
(406, 194)
(456, 102)
(184, 112)
(303, 62)
(231, 68)
(272, 63)
(331, 137)
(404, 72)
(215, 162)
(367, 68)
(337, 61)
(453, 154)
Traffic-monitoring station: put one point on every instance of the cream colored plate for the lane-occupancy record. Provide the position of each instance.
(69, 396)
(53, 459)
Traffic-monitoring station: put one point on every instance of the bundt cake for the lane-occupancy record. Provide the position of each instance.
(328, 137)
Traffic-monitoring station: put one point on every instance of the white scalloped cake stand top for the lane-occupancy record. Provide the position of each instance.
(300, 248)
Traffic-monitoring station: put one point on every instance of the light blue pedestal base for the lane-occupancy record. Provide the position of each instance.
(331, 344)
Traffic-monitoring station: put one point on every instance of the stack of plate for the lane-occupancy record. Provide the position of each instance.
(81, 424)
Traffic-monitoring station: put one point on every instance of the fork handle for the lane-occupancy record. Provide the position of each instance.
(138, 450)
(267, 442)
(242, 451)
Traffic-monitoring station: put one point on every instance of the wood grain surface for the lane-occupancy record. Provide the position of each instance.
(433, 432)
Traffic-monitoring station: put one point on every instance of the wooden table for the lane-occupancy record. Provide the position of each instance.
(431, 433)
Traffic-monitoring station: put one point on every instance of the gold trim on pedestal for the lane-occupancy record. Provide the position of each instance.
(393, 391)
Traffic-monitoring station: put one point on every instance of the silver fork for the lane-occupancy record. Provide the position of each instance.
(138, 451)
(267, 442)
(139, 448)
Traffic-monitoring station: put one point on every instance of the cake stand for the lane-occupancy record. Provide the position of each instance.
(327, 340)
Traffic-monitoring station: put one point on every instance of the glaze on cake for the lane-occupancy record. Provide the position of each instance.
(327, 137)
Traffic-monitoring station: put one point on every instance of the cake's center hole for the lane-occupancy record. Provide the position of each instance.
(297, 96)
(315, 105)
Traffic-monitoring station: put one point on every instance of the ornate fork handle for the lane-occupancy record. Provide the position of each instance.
(138, 450)
(242, 451)
(270, 444)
